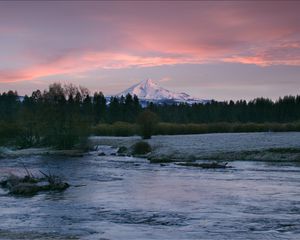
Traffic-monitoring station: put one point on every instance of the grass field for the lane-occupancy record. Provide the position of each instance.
(128, 129)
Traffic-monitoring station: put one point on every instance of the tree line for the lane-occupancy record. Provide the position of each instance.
(62, 115)
(259, 110)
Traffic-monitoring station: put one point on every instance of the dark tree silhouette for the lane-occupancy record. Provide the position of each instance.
(62, 115)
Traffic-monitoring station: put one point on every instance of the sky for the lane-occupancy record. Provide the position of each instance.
(212, 50)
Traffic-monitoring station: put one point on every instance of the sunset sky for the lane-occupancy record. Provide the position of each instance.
(220, 50)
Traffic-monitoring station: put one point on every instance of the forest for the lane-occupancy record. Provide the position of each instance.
(64, 115)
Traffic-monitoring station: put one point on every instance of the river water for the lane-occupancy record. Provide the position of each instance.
(129, 198)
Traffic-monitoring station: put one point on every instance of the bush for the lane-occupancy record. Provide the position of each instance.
(124, 129)
(121, 129)
(127, 129)
(147, 121)
(122, 150)
(141, 148)
(9, 132)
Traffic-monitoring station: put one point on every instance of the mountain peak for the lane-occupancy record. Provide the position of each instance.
(148, 81)
(150, 91)
(148, 85)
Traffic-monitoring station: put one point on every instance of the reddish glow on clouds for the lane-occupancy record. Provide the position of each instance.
(91, 61)
(44, 39)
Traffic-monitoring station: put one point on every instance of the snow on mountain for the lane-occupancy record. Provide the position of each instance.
(148, 90)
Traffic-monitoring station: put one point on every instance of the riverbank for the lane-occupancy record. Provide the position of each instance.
(6, 152)
(182, 148)
(221, 146)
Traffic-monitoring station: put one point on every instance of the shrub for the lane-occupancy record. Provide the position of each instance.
(147, 121)
(141, 148)
(9, 132)
(122, 150)
(122, 129)
(162, 128)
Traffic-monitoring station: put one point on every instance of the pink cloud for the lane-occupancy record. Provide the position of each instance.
(70, 64)
(137, 35)
(165, 79)
(285, 53)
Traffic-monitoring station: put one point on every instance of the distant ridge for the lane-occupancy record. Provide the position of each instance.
(149, 91)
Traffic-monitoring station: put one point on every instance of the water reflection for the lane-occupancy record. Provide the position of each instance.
(125, 198)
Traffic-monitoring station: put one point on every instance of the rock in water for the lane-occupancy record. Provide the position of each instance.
(30, 185)
(204, 165)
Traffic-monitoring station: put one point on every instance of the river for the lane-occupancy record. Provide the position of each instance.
(128, 198)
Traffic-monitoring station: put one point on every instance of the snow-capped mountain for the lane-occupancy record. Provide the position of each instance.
(149, 91)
